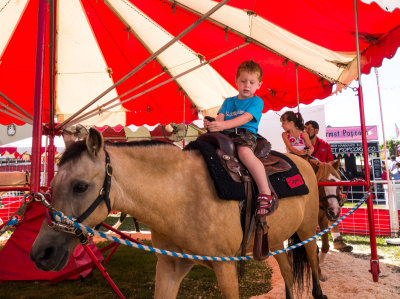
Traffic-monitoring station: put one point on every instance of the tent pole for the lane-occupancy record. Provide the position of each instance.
(21, 118)
(15, 105)
(374, 262)
(297, 90)
(38, 99)
(392, 203)
(51, 132)
(183, 122)
(155, 54)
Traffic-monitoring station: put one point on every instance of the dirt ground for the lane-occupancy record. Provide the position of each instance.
(348, 277)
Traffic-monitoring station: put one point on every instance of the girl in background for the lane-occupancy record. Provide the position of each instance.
(295, 137)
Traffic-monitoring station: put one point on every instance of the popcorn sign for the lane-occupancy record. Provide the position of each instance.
(334, 134)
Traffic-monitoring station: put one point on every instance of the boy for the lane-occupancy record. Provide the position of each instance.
(239, 117)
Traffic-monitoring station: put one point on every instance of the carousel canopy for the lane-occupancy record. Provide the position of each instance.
(304, 47)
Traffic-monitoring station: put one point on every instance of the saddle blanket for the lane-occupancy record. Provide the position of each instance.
(285, 184)
(224, 185)
(288, 183)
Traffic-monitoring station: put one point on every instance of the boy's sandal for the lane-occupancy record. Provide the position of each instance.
(266, 204)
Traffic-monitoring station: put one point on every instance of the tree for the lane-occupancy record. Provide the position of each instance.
(391, 145)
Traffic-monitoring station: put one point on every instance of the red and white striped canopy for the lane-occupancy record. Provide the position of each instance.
(98, 42)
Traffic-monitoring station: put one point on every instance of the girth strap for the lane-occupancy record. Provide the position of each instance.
(104, 192)
(249, 200)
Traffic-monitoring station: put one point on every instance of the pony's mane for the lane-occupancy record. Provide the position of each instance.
(73, 151)
(76, 149)
(324, 170)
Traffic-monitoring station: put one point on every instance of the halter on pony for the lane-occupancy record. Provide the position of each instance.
(68, 227)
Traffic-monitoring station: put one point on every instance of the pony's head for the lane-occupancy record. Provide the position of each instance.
(80, 181)
(330, 197)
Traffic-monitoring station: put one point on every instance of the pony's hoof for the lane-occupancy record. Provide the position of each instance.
(323, 277)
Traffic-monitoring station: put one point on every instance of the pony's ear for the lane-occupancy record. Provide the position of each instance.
(94, 142)
(336, 164)
(314, 164)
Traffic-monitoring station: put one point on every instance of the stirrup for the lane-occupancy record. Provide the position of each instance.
(266, 204)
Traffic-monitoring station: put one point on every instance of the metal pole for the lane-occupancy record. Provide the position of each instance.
(38, 99)
(297, 90)
(15, 105)
(374, 262)
(392, 203)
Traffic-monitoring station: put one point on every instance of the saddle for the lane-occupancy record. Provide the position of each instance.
(226, 152)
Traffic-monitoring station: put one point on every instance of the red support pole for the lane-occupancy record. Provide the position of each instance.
(38, 100)
(103, 271)
(50, 159)
(374, 262)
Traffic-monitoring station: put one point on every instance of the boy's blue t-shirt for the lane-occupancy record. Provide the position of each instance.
(234, 107)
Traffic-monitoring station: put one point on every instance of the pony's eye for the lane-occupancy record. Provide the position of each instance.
(80, 187)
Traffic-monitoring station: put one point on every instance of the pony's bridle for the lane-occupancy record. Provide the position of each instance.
(103, 194)
(339, 198)
(66, 225)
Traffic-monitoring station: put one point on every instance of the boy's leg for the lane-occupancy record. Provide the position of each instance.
(256, 168)
(266, 203)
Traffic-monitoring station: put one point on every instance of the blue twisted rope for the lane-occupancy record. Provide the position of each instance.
(59, 216)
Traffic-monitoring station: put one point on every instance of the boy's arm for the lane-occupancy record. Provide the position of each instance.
(220, 125)
(290, 147)
(220, 117)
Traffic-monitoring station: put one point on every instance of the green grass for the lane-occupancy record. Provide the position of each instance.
(362, 243)
(127, 224)
(133, 271)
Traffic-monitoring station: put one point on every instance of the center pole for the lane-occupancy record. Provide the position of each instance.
(374, 262)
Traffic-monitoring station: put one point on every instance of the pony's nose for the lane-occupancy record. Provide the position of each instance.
(43, 255)
(43, 258)
(331, 212)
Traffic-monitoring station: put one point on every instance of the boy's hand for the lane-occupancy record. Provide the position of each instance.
(215, 126)
(207, 120)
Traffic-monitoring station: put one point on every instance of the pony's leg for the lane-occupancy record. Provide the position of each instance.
(227, 279)
(169, 270)
(311, 249)
(286, 272)
(169, 274)
(323, 224)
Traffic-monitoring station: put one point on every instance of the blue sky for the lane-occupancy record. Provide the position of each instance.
(343, 109)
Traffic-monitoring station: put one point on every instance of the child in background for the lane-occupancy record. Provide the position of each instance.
(239, 118)
(295, 137)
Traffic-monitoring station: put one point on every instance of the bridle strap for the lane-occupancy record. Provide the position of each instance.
(104, 192)
(330, 196)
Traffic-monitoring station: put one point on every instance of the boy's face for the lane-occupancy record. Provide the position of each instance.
(247, 84)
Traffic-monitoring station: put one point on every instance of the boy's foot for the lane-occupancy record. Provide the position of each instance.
(266, 204)
(340, 245)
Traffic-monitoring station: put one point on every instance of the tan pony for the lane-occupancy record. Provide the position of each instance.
(171, 191)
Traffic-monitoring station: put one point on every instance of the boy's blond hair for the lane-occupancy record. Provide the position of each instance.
(250, 66)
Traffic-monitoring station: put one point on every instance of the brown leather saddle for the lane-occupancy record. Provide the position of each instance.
(226, 152)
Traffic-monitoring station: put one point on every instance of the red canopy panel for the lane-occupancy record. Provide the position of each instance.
(17, 67)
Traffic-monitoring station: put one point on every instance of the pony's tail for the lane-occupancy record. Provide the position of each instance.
(300, 265)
